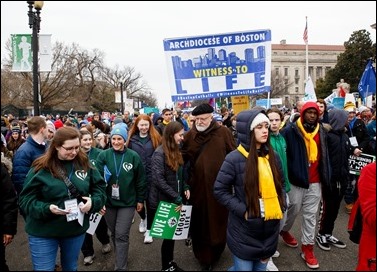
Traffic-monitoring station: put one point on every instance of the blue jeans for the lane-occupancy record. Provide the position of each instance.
(243, 265)
(44, 251)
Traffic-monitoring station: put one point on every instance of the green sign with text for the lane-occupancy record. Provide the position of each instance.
(170, 224)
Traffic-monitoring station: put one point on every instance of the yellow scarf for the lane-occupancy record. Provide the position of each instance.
(267, 188)
(165, 122)
(311, 145)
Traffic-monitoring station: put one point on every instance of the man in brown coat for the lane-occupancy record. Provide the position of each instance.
(204, 149)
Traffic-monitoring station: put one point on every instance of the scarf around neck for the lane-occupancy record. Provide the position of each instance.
(267, 188)
(311, 145)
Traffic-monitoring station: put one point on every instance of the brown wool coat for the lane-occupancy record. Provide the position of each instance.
(206, 152)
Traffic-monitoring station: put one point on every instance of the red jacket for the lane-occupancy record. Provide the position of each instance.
(367, 198)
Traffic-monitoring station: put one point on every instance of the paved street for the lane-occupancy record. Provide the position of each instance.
(147, 257)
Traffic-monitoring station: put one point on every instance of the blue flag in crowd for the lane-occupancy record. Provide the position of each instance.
(367, 84)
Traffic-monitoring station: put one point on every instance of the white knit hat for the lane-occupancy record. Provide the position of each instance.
(260, 118)
(51, 126)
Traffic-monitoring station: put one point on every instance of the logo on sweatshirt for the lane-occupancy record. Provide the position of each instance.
(127, 166)
(81, 174)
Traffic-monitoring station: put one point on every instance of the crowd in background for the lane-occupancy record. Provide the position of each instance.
(234, 198)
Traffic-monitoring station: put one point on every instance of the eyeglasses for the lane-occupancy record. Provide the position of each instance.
(70, 149)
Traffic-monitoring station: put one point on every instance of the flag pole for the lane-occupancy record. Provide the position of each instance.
(306, 48)
(366, 96)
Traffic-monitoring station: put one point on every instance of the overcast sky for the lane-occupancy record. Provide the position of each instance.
(132, 33)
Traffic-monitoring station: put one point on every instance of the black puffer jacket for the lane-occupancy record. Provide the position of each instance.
(255, 238)
(339, 148)
(359, 130)
(167, 184)
(8, 203)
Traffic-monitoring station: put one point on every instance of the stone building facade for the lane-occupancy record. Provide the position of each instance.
(288, 62)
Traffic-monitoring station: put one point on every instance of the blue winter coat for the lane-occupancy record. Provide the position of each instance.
(145, 151)
(23, 158)
(254, 238)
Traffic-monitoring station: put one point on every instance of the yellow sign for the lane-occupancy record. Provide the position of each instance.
(240, 103)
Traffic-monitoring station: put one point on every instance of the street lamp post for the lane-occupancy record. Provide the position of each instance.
(121, 98)
(34, 23)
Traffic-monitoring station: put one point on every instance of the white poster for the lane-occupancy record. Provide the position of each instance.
(118, 98)
(45, 53)
(309, 91)
(93, 222)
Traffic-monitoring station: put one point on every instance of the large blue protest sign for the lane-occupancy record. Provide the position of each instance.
(219, 65)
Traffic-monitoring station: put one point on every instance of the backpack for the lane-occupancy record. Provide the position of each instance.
(355, 223)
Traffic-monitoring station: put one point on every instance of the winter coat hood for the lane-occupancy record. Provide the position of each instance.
(338, 119)
(244, 120)
(306, 106)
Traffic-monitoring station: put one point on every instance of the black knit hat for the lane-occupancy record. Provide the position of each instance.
(202, 109)
(16, 129)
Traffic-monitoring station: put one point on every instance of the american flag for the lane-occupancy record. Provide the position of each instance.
(305, 36)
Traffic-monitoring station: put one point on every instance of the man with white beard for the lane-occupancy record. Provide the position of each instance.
(204, 149)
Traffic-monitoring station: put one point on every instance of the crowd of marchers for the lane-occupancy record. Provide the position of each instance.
(248, 177)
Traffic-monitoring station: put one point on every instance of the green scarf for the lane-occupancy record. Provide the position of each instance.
(267, 188)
